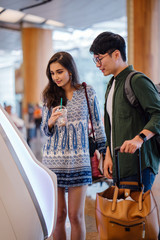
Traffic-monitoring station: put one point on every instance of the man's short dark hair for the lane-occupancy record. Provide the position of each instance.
(109, 42)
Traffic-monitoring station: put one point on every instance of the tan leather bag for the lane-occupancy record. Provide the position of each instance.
(120, 217)
(122, 213)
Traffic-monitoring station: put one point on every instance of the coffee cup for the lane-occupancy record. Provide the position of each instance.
(62, 120)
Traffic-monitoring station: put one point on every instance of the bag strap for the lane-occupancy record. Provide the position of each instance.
(90, 115)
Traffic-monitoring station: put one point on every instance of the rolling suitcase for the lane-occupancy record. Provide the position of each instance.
(123, 212)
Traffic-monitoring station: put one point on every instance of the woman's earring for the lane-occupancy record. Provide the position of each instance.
(71, 77)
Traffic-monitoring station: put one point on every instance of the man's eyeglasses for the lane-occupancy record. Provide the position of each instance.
(99, 59)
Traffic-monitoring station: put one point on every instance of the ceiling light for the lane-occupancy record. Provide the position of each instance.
(54, 23)
(11, 16)
(33, 18)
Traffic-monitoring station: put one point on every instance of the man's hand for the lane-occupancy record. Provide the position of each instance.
(130, 146)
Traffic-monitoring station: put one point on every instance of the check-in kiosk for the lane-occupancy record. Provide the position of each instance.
(28, 190)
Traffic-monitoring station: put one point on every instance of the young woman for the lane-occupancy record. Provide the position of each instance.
(66, 151)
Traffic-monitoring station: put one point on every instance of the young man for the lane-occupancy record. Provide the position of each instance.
(124, 125)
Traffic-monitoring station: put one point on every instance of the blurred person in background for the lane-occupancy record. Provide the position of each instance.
(17, 121)
(37, 115)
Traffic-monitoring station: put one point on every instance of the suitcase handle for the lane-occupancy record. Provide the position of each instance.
(139, 178)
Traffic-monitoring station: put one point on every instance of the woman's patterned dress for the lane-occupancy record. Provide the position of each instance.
(66, 151)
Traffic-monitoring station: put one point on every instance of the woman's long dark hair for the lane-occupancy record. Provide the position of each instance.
(52, 94)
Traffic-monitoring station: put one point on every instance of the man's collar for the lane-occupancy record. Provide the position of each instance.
(124, 72)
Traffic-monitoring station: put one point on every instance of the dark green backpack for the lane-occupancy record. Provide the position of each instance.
(133, 101)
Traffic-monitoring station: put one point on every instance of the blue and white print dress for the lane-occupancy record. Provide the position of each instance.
(66, 151)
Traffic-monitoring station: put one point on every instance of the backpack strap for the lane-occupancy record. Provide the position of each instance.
(129, 93)
(158, 87)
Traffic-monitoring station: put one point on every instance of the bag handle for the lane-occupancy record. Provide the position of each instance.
(126, 193)
(90, 115)
(116, 151)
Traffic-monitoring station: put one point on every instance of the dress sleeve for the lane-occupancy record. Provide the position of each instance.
(98, 125)
(44, 124)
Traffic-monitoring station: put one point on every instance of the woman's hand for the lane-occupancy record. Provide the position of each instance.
(108, 164)
(53, 118)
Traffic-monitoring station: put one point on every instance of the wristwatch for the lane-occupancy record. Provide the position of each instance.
(143, 137)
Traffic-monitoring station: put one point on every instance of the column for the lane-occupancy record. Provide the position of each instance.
(37, 50)
(143, 36)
